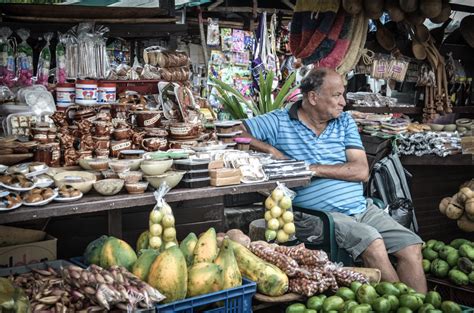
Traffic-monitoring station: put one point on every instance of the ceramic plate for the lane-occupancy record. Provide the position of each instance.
(44, 202)
(16, 206)
(68, 199)
(17, 188)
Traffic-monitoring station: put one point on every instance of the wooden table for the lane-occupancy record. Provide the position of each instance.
(94, 202)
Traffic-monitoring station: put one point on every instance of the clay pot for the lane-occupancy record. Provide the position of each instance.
(148, 118)
(119, 145)
(101, 128)
(154, 144)
(122, 133)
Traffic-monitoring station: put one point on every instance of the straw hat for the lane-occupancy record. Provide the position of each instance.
(394, 10)
(467, 29)
(415, 18)
(430, 8)
(384, 37)
(444, 15)
(352, 7)
(409, 5)
(357, 44)
(373, 8)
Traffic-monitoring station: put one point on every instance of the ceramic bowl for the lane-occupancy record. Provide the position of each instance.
(449, 127)
(131, 177)
(156, 167)
(136, 188)
(78, 179)
(84, 163)
(436, 127)
(98, 164)
(109, 187)
(119, 166)
(109, 174)
(135, 164)
(172, 178)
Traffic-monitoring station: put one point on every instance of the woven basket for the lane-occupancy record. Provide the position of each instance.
(358, 42)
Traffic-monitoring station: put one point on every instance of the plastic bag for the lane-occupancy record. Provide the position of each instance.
(401, 210)
(213, 38)
(61, 59)
(72, 54)
(162, 224)
(102, 63)
(279, 215)
(24, 59)
(44, 62)
(7, 58)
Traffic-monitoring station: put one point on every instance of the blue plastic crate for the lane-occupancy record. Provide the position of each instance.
(79, 261)
(466, 309)
(233, 300)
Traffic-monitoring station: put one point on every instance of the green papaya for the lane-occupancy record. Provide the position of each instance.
(425, 307)
(467, 250)
(458, 277)
(433, 298)
(431, 243)
(426, 265)
(360, 308)
(429, 254)
(445, 251)
(366, 294)
(333, 303)
(438, 246)
(349, 304)
(453, 258)
(381, 305)
(295, 308)
(355, 285)
(404, 309)
(402, 287)
(456, 243)
(439, 268)
(94, 249)
(346, 293)
(410, 301)
(465, 265)
(450, 307)
(394, 302)
(187, 247)
(386, 288)
(314, 303)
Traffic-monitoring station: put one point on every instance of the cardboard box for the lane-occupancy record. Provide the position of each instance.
(29, 253)
(225, 173)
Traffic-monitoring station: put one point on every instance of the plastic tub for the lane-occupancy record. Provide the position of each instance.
(86, 92)
(195, 183)
(191, 164)
(197, 174)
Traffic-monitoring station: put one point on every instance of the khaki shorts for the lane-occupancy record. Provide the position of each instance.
(355, 233)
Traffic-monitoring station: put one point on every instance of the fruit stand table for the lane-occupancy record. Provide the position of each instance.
(192, 206)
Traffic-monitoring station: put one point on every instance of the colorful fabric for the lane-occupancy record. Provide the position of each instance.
(329, 42)
(283, 130)
(311, 22)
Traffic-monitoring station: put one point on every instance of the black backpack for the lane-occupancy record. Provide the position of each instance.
(388, 182)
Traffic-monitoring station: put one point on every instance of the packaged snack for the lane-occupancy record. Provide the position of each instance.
(7, 58)
(44, 62)
(24, 59)
(61, 59)
(279, 215)
(213, 32)
(162, 224)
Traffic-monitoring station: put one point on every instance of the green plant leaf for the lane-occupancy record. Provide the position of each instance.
(228, 88)
(285, 91)
(240, 111)
(261, 93)
(228, 107)
(270, 76)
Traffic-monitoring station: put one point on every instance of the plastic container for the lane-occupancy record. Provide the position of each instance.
(195, 183)
(197, 174)
(86, 92)
(191, 164)
(65, 95)
(243, 143)
(106, 93)
(233, 300)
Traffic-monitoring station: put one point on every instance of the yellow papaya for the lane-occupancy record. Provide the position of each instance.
(187, 247)
(94, 250)
(141, 267)
(117, 252)
(142, 241)
(270, 280)
(206, 248)
(204, 278)
(169, 274)
(226, 260)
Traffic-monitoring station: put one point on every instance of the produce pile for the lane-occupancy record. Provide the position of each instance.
(73, 289)
(460, 207)
(381, 298)
(453, 261)
(310, 271)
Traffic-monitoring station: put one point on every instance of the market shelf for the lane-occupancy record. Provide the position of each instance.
(403, 109)
(94, 202)
(430, 160)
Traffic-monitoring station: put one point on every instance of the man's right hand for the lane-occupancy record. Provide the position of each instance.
(278, 154)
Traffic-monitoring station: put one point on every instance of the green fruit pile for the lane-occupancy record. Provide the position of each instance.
(383, 297)
(453, 261)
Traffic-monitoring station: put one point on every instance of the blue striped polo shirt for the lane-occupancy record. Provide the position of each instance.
(283, 130)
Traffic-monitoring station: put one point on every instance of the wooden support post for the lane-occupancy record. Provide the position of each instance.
(114, 223)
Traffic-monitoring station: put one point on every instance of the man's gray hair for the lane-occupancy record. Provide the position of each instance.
(313, 80)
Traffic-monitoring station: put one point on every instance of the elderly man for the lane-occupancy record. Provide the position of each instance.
(317, 131)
